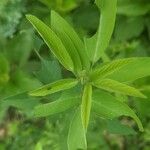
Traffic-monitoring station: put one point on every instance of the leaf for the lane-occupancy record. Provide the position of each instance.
(18, 48)
(4, 70)
(132, 25)
(86, 105)
(80, 18)
(21, 101)
(55, 107)
(53, 42)
(106, 26)
(38, 146)
(115, 86)
(115, 127)
(4, 65)
(59, 25)
(136, 69)
(72, 38)
(107, 69)
(90, 46)
(54, 87)
(50, 71)
(108, 107)
(63, 6)
(77, 137)
(133, 8)
(11, 18)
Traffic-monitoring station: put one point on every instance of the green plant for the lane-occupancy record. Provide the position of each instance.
(61, 5)
(10, 15)
(91, 76)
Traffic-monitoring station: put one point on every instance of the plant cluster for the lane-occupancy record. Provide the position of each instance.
(81, 58)
(91, 91)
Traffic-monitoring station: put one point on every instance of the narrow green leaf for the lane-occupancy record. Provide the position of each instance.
(58, 24)
(106, 26)
(86, 105)
(115, 86)
(107, 106)
(54, 87)
(138, 68)
(104, 71)
(57, 106)
(72, 38)
(53, 42)
(77, 135)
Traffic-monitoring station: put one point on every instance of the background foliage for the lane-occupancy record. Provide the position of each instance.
(25, 64)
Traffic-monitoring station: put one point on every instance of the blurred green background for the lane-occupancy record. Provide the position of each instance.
(26, 63)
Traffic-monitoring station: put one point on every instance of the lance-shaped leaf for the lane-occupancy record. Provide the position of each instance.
(107, 69)
(58, 24)
(107, 106)
(115, 86)
(54, 87)
(138, 68)
(53, 42)
(86, 105)
(55, 107)
(105, 30)
(77, 135)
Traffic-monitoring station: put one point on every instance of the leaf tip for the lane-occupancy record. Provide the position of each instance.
(143, 96)
(28, 16)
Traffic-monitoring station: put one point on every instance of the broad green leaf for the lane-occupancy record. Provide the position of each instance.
(116, 127)
(138, 68)
(132, 25)
(107, 69)
(77, 135)
(53, 42)
(133, 8)
(55, 107)
(58, 24)
(72, 38)
(62, 6)
(86, 105)
(107, 106)
(18, 48)
(54, 87)
(106, 26)
(21, 101)
(50, 71)
(115, 86)
(19, 82)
